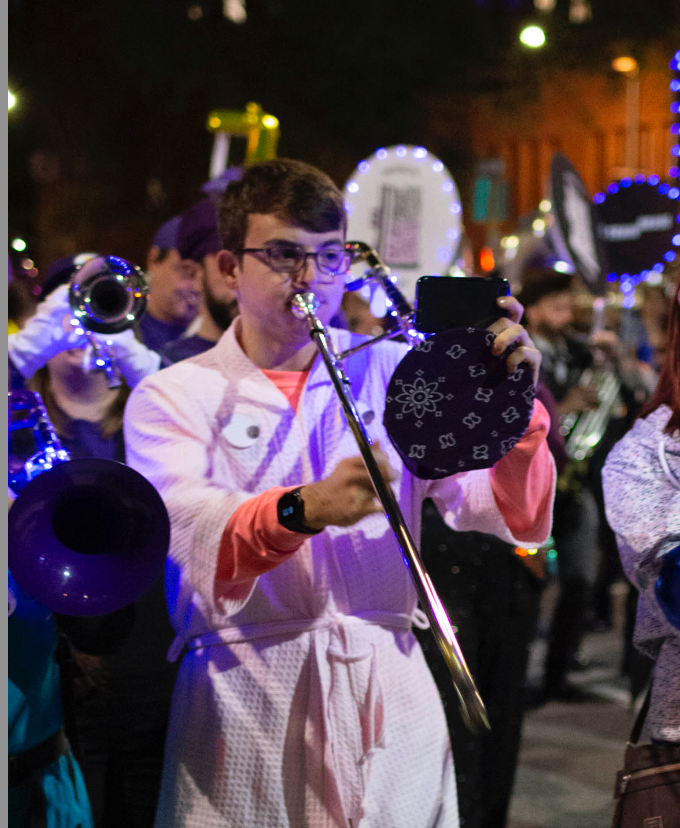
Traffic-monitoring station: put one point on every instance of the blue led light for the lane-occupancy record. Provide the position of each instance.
(626, 182)
(352, 187)
(444, 254)
(400, 152)
(437, 166)
(454, 208)
(644, 275)
(628, 301)
(364, 166)
(453, 234)
(612, 277)
(673, 172)
(670, 256)
(419, 152)
(348, 207)
(664, 188)
(598, 198)
(447, 186)
(674, 192)
(676, 240)
(626, 287)
(639, 179)
(381, 154)
(653, 179)
(675, 107)
(658, 267)
(613, 188)
(675, 129)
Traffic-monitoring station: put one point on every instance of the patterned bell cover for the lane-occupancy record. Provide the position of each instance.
(452, 406)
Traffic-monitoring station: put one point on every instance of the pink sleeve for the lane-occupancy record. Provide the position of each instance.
(253, 542)
(522, 482)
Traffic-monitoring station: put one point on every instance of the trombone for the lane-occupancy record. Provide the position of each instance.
(305, 306)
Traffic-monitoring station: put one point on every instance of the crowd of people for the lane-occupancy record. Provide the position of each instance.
(276, 673)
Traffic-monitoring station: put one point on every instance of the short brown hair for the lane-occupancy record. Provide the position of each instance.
(291, 190)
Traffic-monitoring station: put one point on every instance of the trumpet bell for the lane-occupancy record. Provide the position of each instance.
(108, 294)
(87, 537)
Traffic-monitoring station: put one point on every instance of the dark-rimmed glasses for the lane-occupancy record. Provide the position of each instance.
(288, 257)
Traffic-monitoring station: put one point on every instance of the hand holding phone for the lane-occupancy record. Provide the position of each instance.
(445, 302)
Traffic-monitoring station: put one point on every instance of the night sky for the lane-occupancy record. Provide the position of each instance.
(108, 138)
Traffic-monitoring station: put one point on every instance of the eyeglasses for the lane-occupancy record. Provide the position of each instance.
(288, 257)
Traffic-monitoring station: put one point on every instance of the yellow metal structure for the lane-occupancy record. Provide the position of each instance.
(260, 129)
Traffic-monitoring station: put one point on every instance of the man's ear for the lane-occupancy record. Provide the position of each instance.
(228, 264)
(152, 256)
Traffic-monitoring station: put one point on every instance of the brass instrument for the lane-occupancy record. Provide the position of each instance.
(86, 537)
(305, 306)
(583, 431)
(107, 295)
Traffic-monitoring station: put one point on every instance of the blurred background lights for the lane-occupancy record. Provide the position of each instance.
(437, 166)
(419, 152)
(19, 245)
(545, 206)
(532, 36)
(624, 64)
(11, 100)
(353, 187)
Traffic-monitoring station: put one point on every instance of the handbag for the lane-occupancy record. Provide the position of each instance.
(647, 789)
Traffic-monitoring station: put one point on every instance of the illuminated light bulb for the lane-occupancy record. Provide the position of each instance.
(364, 166)
(562, 267)
(612, 277)
(455, 207)
(381, 154)
(400, 152)
(100, 363)
(670, 256)
(447, 186)
(270, 121)
(353, 187)
(437, 166)
(674, 192)
(348, 207)
(452, 233)
(215, 122)
(19, 245)
(130, 316)
(444, 254)
(653, 180)
(532, 36)
(11, 100)
(626, 182)
(613, 188)
(419, 152)
(512, 241)
(639, 179)
(545, 206)
(598, 198)
(628, 301)
(538, 224)
(676, 240)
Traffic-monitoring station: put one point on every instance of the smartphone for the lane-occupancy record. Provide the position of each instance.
(444, 302)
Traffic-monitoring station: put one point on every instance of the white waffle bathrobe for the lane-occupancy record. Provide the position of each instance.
(303, 698)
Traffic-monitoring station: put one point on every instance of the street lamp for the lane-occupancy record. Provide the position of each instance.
(532, 36)
(628, 67)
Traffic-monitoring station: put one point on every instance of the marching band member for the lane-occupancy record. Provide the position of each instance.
(643, 469)
(302, 697)
(199, 243)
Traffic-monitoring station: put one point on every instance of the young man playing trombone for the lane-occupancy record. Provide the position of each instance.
(303, 698)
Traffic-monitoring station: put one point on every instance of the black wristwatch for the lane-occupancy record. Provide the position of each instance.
(291, 513)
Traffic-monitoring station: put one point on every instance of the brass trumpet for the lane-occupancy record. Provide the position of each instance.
(305, 306)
